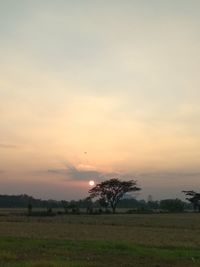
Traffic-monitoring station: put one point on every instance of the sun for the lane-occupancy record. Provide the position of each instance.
(91, 183)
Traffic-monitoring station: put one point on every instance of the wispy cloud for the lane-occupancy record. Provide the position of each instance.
(4, 145)
(72, 172)
(84, 172)
(170, 175)
(75, 174)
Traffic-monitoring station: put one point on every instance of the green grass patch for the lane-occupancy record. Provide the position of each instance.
(162, 240)
(55, 253)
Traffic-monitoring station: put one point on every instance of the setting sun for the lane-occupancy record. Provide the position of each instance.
(91, 183)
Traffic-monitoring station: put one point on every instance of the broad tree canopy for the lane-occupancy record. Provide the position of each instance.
(111, 191)
(194, 198)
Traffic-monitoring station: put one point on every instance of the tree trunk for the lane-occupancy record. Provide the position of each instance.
(113, 210)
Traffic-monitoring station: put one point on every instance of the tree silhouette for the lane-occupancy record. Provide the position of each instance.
(194, 198)
(111, 191)
(103, 203)
(172, 205)
(29, 208)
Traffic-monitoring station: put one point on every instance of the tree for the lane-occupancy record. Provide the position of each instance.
(194, 198)
(103, 203)
(111, 191)
(29, 208)
(65, 205)
(151, 204)
(172, 205)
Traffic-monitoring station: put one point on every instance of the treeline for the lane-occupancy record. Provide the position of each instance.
(22, 201)
(130, 204)
(170, 205)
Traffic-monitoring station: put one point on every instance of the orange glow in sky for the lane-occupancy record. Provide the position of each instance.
(94, 89)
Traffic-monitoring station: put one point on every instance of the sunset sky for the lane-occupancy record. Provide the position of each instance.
(99, 89)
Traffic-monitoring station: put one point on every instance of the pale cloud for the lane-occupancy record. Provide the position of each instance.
(8, 146)
(119, 80)
(82, 173)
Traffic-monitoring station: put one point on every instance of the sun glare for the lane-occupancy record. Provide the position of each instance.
(91, 183)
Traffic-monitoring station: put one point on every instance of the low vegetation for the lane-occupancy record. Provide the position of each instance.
(100, 240)
(84, 233)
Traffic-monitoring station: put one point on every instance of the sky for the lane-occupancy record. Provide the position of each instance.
(96, 90)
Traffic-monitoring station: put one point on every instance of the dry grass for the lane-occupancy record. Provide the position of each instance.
(122, 240)
(159, 230)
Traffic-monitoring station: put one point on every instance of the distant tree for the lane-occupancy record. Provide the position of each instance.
(194, 198)
(152, 204)
(74, 207)
(89, 205)
(29, 208)
(103, 203)
(65, 205)
(172, 205)
(49, 210)
(111, 191)
(128, 203)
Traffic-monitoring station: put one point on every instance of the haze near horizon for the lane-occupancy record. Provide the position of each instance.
(99, 89)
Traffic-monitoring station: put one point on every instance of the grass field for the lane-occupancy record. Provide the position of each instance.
(159, 240)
